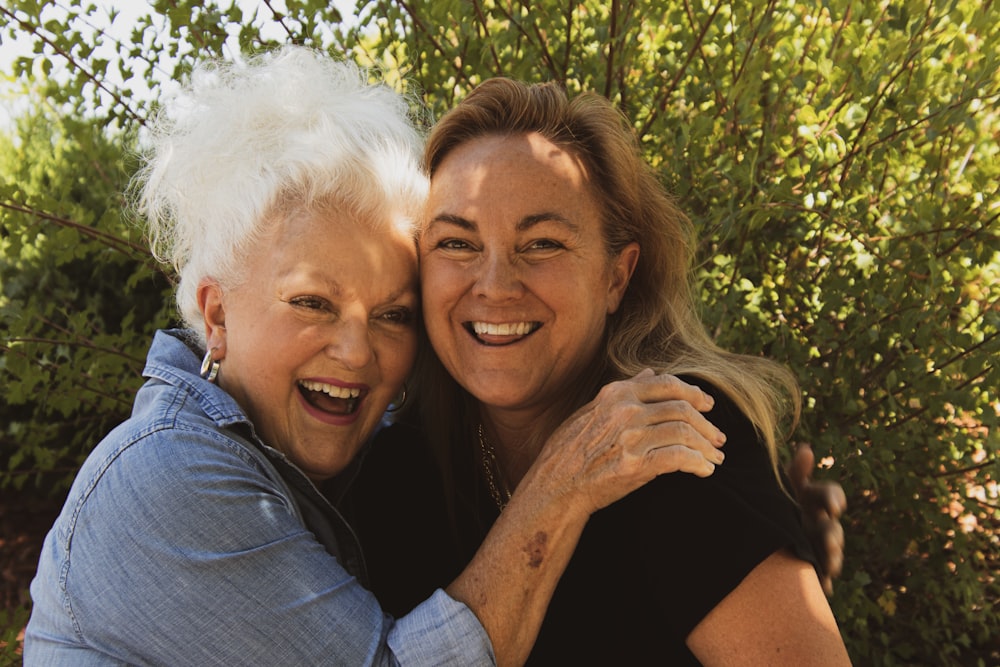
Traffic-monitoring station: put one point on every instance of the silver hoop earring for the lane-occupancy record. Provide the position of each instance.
(399, 402)
(209, 367)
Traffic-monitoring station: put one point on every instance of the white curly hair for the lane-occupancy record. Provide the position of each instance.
(242, 146)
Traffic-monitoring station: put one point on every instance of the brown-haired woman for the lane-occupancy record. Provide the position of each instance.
(552, 262)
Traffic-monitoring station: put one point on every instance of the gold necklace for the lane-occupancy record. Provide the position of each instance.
(500, 492)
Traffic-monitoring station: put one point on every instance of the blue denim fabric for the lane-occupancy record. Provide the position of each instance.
(181, 544)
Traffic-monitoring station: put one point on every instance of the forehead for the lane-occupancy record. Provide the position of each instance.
(325, 242)
(520, 174)
(509, 154)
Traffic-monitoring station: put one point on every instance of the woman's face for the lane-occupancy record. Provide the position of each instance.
(318, 339)
(517, 283)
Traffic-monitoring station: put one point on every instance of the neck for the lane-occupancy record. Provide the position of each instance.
(517, 435)
(516, 441)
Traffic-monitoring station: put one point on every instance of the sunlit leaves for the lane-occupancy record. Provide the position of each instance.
(841, 161)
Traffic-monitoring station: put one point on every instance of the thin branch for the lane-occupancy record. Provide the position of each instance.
(543, 44)
(568, 47)
(961, 471)
(54, 342)
(108, 240)
(695, 49)
(421, 27)
(34, 31)
(280, 18)
(612, 43)
(484, 24)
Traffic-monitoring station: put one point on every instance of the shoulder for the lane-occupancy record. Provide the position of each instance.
(170, 435)
(745, 485)
(714, 530)
(164, 470)
(726, 415)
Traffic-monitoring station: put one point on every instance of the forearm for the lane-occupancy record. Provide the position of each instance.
(632, 432)
(510, 581)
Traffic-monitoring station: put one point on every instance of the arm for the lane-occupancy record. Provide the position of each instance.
(778, 615)
(769, 607)
(633, 431)
(185, 550)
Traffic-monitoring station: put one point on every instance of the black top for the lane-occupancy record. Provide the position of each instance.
(646, 571)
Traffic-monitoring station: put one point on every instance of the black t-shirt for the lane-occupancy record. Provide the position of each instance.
(646, 571)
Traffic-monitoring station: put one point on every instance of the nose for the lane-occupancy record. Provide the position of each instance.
(498, 278)
(351, 343)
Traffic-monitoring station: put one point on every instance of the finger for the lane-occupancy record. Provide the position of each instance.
(650, 388)
(832, 570)
(825, 497)
(836, 499)
(800, 469)
(678, 458)
(684, 434)
(835, 541)
(832, 542)
(678, 414)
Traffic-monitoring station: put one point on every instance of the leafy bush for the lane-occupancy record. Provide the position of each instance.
(841, 161)
(80, 296)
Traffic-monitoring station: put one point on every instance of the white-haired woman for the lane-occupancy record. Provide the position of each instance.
(201, 530)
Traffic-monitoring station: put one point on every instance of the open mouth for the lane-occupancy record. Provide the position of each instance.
(330, 398)
(504, 333)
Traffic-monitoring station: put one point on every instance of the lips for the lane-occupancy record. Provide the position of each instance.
(330, 398)
(502, 333)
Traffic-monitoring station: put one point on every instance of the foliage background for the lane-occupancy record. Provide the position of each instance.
(841, 160)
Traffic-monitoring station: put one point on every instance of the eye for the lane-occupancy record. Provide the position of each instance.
(310, 303)
(453, 244)
(401, 315)
(544, 244)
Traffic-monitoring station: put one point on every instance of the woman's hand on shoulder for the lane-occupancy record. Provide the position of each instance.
(633, 431)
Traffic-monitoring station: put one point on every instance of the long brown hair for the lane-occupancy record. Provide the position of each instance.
(657, 324)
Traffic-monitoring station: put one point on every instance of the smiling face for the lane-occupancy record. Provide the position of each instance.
(517, 283)
(318, 339)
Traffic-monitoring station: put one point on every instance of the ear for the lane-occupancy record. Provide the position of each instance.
(213, 311)
(622, 267)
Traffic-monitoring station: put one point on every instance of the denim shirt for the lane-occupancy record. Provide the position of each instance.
(181, 543)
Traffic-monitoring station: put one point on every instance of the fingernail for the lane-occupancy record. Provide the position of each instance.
(719, 456)
(720, 437)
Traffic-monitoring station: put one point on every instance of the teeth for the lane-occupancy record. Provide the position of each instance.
(331, 390)
(506, 329)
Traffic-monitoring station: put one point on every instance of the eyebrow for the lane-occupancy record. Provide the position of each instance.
(410, 289)
(530, 221)
(524, 224)
(451, 219)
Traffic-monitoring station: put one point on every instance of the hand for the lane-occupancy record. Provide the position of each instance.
(822, 503)
(631, 432)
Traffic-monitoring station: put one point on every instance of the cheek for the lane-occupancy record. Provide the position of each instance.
(579, 303)
(438, 284)
(398, 355)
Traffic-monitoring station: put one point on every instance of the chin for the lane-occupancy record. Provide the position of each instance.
(500, 399)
